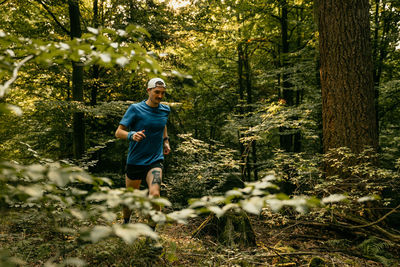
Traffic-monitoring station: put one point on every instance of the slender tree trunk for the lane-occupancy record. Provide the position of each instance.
(254, 156)
(241, 111)
(249, 90)
(380, 44)
(346, 75)
(287, 91)
(77, 83)
(288, 142)
(319, 122)
(374, 58)
(96, 13)
(95, 68)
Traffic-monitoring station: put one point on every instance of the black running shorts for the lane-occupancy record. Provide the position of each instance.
(139, 172)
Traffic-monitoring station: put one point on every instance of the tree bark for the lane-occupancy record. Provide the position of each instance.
(95, 68)
(288, 141)
(249, 90)
(241, 111)
(348, 108)
(382, 22)
(77, 83)
(233, 229)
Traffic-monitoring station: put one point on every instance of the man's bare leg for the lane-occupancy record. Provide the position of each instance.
(135, 184)
(153, 180)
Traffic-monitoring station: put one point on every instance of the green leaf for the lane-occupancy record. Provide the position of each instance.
(334, 198)
(252, 205)
(34, 191)
(100, 232)
(109, 216)
(216, 210)
(80, 215)
(10, 109)
(163, 202)
(130, 232)
(58, 178)
(74, 262)
(181, 216)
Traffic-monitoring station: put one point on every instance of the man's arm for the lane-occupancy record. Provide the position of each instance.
(166, 146)
(122, 133)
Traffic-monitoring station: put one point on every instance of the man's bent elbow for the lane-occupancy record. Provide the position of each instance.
(117, 134)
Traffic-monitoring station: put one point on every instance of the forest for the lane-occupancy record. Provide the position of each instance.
(284, 129)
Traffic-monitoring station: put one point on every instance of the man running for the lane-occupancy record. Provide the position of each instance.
(144, 126)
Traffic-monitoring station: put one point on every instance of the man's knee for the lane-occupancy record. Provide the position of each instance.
(132, 183)
(154, 191)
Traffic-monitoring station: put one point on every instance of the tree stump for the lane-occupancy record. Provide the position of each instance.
(233, 229)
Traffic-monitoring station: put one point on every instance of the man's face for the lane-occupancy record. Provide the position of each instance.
(156, 94)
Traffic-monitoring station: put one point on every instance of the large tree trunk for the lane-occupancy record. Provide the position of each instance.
(348, 110)
(77, 83)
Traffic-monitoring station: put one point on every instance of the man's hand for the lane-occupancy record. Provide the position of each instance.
(167, 149)
(139, 136)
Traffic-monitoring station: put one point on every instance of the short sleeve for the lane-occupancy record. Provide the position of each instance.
(166, 108)
(129, 117)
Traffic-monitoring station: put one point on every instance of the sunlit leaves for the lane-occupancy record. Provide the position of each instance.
(99, 46)
(253, 199)
(56, 190)
(10, 109)
(17, 65)
(131, 232)
(181, 216)
(253, 205)
(100, 232)
(333, 198)
(105, 47)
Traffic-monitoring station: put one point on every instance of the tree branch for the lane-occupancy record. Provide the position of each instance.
(375, 228)
(3, 88)
(53, 16)
(377, 221)
(229, 104)
(3, 2)
(276, 17)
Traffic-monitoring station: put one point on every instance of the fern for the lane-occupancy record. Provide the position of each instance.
(376, 249)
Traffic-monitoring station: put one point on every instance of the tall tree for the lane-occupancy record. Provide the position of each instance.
(95, 69)
(77, 82)
(346, 75)
(386, 19)
(286, 139)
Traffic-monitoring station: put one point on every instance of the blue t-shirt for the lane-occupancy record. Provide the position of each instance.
(140, 117)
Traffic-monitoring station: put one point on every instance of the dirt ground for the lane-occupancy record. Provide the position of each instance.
(280, 242)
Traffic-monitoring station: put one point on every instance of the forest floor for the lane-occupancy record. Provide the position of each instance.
(280, 242)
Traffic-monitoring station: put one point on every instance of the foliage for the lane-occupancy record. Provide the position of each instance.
(361, 175)
(215, 118)
(199, 168)
(77, 202)
(377, 249)
(105, 47)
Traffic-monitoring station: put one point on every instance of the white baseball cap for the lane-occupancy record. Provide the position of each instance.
(156, 82)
